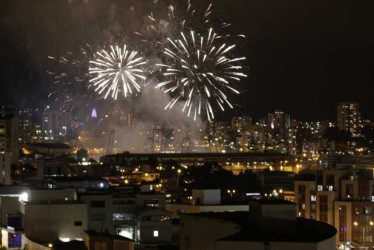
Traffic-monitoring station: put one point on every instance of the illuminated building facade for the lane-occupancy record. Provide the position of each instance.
(342, 198)
(9, 135)
(349, 118)
(56, 123)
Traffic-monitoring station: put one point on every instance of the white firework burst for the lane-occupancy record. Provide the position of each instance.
(116, 70)
(200, 71)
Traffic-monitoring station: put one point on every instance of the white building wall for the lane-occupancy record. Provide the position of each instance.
(45, 195)
(50, 222)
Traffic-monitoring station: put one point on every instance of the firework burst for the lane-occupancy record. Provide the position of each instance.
(200, 71)
(115, 71)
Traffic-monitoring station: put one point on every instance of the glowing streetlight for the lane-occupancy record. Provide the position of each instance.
(231, 192)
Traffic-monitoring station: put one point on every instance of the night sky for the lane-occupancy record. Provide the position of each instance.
(305, 56)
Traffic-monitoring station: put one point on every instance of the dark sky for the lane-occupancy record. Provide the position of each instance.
(305, 56)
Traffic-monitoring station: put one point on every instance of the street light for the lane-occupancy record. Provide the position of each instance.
(231, 192)
(179, 171)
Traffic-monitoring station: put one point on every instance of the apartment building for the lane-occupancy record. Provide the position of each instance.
(342, 198)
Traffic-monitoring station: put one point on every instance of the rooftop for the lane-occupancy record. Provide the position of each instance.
(273, 202)
(273, 229)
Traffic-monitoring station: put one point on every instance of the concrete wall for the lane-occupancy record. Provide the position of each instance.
(151, 220)
(49, 222)
(134, 210)
(9, 205)
(45, 195)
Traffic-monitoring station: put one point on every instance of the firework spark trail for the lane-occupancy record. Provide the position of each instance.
(116, 70)
(69, 87)
(170, 22)
(200, 71)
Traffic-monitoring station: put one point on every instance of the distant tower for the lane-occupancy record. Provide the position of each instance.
(349, 117)
(9, 129)
(94, 113)
(280, 122)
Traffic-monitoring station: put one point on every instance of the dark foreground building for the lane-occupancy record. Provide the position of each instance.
(270, 225)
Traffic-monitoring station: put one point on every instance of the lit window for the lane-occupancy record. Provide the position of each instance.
(155, 233)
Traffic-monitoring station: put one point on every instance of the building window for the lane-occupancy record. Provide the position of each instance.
(165, 218)
(330, 179)
(122, 216)
(313, 198)
(348, 191)
(155, 233)
(301, 188)
(97, 203)
(151, 203)
(319, 187)
(77, 223)
(367, 210)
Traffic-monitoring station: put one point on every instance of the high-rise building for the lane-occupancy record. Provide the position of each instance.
(241, 123)
(56, 123)
(9, 128)
(349, 117)
(280, 122)
(26, 124)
